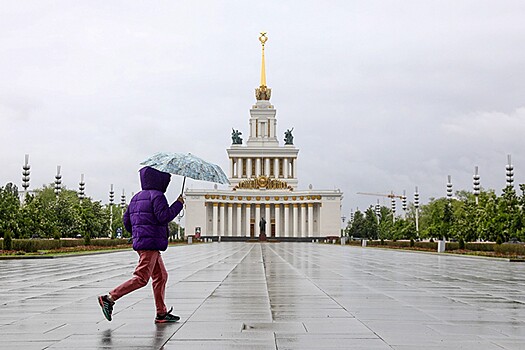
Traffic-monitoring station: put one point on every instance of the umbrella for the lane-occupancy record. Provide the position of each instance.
(186, 165)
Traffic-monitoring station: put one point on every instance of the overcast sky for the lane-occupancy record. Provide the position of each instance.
(383, 95)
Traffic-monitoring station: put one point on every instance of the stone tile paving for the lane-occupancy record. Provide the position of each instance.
(269, 296)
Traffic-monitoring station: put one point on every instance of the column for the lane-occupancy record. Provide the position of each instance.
(230, 220)
(267, 167)
(295, 220)
(257, 168)
(222, 220)
(285, 168)
(232, 161)
(238, 228)
(276, 168)
(310, 219)
(303, 220)
(268, 229)
(286, 229)
(294, 168)
(215, 220)
(239, 167)
(249, 168)
(277, 208)
(257, 219)
(248, 218)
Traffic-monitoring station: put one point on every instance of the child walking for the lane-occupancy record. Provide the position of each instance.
(147, 219)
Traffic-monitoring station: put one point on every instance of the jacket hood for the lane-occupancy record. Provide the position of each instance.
(153, 179)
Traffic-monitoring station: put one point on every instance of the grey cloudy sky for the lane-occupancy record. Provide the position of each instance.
(383, 95)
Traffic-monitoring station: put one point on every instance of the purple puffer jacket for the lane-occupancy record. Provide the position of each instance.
(148, 213)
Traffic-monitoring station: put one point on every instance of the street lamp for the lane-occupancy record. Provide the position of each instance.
(416, 205)
(58, 182)
(449, 188)
(393, 204)
(510, 172)
(378, 211)
(81, 188)
(476, 184)
(123, 200)
(25, 175)
(111, 198)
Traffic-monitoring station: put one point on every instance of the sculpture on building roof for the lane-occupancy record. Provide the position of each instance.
(236, 137)
(288, 137)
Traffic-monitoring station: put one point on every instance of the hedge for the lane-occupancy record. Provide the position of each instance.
(34, 245)
(512, 249)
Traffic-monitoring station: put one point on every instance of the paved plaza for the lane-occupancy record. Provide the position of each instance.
(269, 296)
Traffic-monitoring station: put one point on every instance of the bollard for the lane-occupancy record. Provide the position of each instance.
(363, 243)
(441, 246)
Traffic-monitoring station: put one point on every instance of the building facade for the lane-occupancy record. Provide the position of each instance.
(263, 201)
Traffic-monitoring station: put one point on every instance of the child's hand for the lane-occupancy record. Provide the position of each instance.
(181, 199)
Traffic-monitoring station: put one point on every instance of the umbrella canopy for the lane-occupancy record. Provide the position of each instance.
(187, 165)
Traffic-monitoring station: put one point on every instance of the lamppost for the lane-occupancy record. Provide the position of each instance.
(343, 219)
(510, 172)
(393, 203)
(378, 211)
(25, 175)
(416, 206)
(404, 202)
(449, 188)
(111, 198)
(81, 188)
(123, 200)
(58, 182)
(476, 184)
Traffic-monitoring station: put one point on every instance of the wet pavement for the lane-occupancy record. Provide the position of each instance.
(269, 296)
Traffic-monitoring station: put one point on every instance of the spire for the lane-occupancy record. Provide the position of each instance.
(263, 92)
(263, 38)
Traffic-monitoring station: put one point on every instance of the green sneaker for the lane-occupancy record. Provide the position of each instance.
(106, 305)
(167, 317)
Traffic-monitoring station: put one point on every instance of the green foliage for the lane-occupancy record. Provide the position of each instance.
(8, 240)
(9, 210)
(87, 239)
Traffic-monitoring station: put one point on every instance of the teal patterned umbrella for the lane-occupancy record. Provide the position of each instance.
(187, 165)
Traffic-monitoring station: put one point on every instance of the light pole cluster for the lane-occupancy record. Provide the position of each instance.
(476, 184)
(58, 182)
(510, 172)
(25, 174)
(81, 188)
(416, 206)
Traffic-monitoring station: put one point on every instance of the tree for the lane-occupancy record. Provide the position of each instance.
(357, 225)
(370, 226)
(9, 210)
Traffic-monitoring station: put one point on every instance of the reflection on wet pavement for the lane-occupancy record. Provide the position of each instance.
(269, 296)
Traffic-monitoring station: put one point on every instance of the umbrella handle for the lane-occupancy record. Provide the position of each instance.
(183, 183)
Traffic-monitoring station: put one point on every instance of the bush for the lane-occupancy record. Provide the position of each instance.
(426, 245)
(499, 240)
(516, 249)
(87, 239)
(8, 240)
(412, 243)
(480, 247)
(461, 243)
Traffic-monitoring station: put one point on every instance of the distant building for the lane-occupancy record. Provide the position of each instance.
(263, 200)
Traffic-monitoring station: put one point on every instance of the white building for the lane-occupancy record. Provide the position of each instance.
(263, 199)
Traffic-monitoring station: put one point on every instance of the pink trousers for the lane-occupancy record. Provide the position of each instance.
(150, 266)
